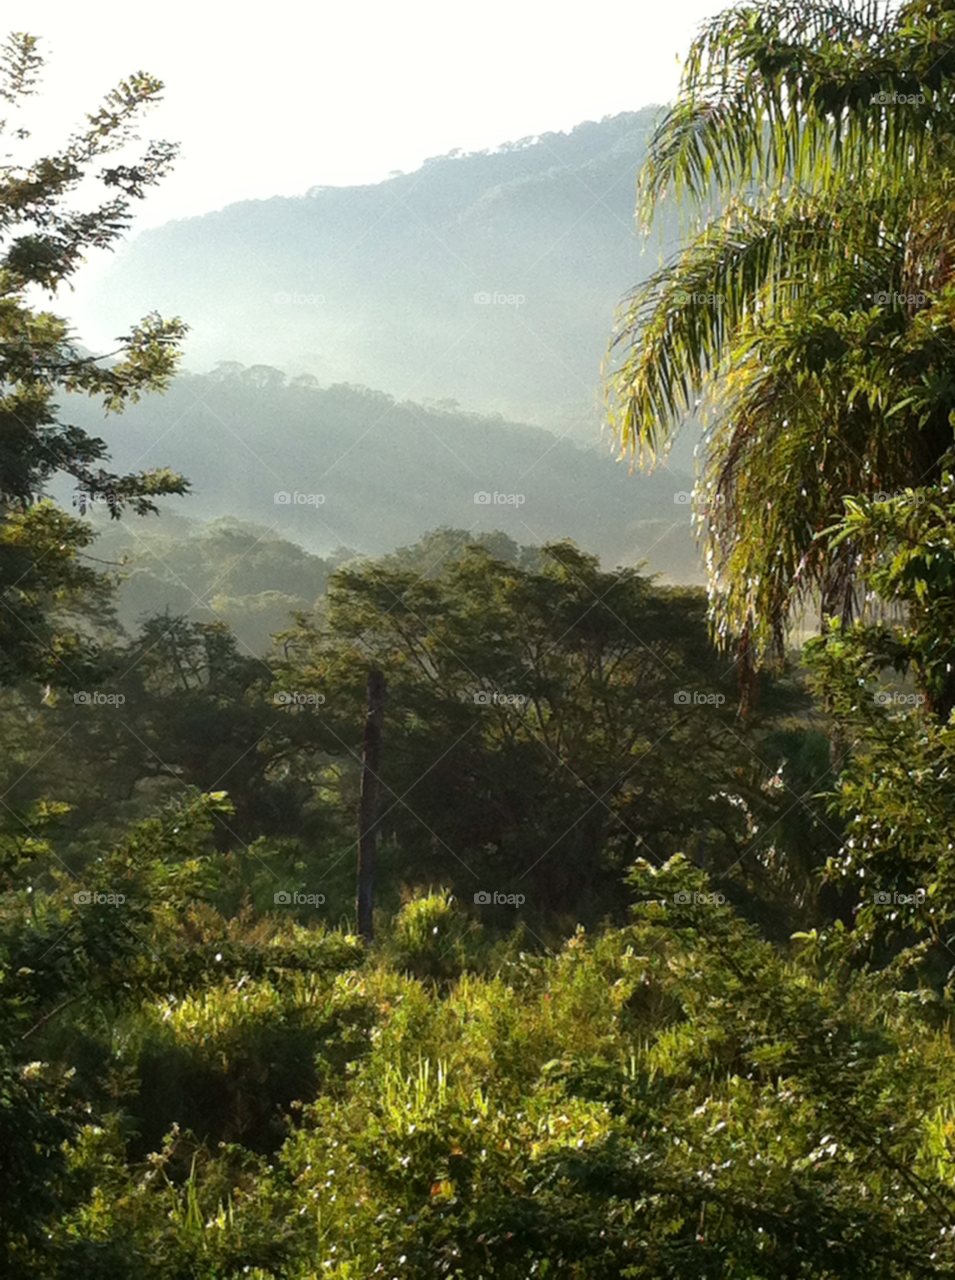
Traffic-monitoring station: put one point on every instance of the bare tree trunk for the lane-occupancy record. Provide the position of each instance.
(368, 805)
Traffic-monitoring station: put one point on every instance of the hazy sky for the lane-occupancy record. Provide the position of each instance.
(275, 98)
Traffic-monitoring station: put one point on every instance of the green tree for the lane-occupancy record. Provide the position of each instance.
(815, 312)
(42, 241)
(544, 724)
(889, 688)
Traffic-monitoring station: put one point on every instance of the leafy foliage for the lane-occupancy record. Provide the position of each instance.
(814, 314)
(42, 580)
(684, 1059)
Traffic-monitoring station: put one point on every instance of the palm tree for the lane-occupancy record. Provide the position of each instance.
(814, 317)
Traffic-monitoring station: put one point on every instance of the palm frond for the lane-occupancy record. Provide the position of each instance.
(677, 329)
(808, 95)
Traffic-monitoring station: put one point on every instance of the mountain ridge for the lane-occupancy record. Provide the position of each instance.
(390, 273)
(387, 471)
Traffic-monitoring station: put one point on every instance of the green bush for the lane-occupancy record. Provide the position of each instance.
(427, 938)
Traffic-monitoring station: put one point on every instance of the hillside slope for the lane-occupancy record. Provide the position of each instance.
(378, 284)
(369, 473)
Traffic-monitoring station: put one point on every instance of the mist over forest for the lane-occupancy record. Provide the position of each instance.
(376, 285)
(348, 468)
(348, 360)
